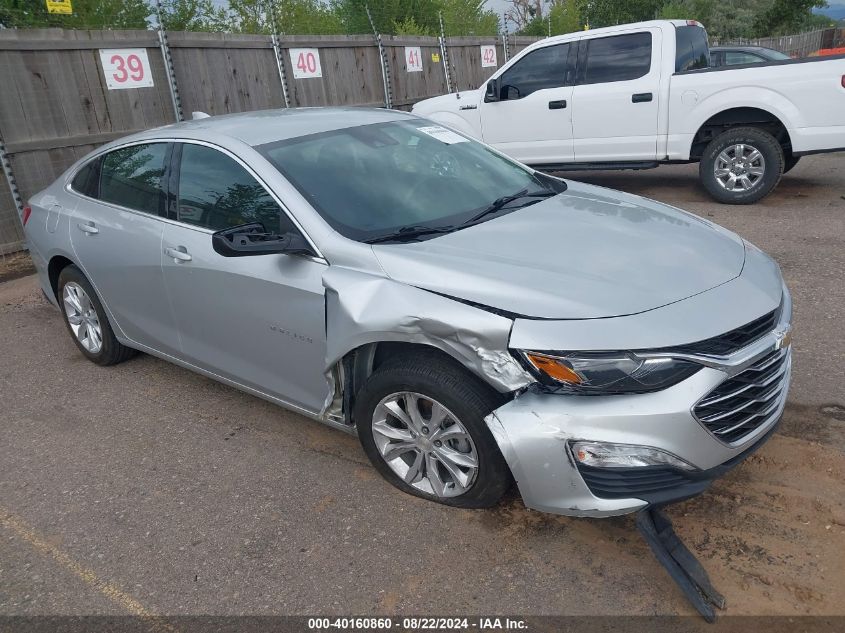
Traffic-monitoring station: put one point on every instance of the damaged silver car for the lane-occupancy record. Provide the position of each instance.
(472, 320)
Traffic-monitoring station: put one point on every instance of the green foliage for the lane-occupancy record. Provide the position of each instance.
(733, 19)
(785, 16)
(724, 19)
(409, 26)
(599, 13)
(87, 14)
(565, 17)
(193, 15)
(468, 17)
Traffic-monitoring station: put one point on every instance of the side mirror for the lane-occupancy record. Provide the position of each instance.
(492, 93)
(253, 239)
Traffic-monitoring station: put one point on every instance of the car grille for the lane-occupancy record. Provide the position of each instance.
(734, 340)
(743, 403)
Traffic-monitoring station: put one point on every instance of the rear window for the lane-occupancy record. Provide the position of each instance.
(87, 179)
(691, 48)
(131, 177)
(617, 58)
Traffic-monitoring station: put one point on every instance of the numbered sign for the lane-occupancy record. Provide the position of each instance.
(126, 68)
(488, 56)
(413, 59)
(306, 63)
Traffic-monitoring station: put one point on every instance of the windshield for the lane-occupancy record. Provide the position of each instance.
(371, 181)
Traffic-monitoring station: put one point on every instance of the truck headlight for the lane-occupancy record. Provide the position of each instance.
(609, 372)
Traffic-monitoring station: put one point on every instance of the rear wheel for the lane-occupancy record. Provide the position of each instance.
(86, 320)
(421, 422)
(741, 165)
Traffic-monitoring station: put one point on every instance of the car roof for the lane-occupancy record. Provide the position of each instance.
(268, 126)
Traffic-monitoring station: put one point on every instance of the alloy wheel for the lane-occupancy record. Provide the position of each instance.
(739, 167)
(82, 317)
(425, 444)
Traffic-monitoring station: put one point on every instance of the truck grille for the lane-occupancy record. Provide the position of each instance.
(743, 403)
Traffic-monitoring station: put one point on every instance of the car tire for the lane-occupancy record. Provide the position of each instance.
(444, 474)
(86, 320)
(789, 162)
(732, 178)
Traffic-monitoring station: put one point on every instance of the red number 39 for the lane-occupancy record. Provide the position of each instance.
(127, 68)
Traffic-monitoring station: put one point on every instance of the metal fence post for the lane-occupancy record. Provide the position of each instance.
(13, 189)
(505, 39)
(277, 51)
(280, 62)
(168, 65)
(444, 54)
(385, 67)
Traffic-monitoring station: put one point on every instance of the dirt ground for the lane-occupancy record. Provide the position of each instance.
(147, 489)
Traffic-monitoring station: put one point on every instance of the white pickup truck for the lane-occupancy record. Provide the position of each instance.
(638, 95)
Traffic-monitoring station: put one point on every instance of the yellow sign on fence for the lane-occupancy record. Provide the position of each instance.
(59, 6)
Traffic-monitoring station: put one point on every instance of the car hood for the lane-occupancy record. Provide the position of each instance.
(587, 253)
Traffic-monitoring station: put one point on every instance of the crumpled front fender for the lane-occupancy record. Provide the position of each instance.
(364, 308)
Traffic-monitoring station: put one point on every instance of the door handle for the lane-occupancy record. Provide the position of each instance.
(179, 254)
(557, 105)
(88, 227)
(642, 97)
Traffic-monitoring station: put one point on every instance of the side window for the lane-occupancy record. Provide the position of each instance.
(617, 58)
(691, 49)
(217, 193)
(131, 177)
(740, 57)
(540, 69)
(87, 180)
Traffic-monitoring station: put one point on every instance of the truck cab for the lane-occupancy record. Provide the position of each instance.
(637, 95)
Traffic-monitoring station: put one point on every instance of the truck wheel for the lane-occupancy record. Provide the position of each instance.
(790, 162)
(420, 420)
(741, 165)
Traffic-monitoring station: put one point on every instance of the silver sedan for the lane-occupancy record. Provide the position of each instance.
(472, 320)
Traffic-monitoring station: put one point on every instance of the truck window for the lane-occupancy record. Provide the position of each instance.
(617, 58)
(691, 48)
(538, 70)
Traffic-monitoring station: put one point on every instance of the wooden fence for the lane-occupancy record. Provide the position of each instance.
(55, 105)
(801, 45)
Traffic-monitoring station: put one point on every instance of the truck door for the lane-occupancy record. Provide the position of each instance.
(532, 120)
(616, 97)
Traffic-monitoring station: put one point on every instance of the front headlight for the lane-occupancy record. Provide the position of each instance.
(608, 372)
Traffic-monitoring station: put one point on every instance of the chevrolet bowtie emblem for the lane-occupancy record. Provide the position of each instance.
(784, 338)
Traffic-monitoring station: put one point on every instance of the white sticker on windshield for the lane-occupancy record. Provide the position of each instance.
(442, 134)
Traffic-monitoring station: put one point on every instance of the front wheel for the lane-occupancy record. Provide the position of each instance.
(421, 422)
(741, 165)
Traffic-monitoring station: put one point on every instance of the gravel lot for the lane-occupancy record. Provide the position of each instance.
(147, 489)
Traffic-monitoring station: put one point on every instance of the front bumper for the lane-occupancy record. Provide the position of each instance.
(534, 432)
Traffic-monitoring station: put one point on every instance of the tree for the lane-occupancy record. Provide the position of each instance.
(785, 16)
(87, 14)
(468, 17)
(598, 13)
(559, 18)
(723, 19)
(193, 15)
